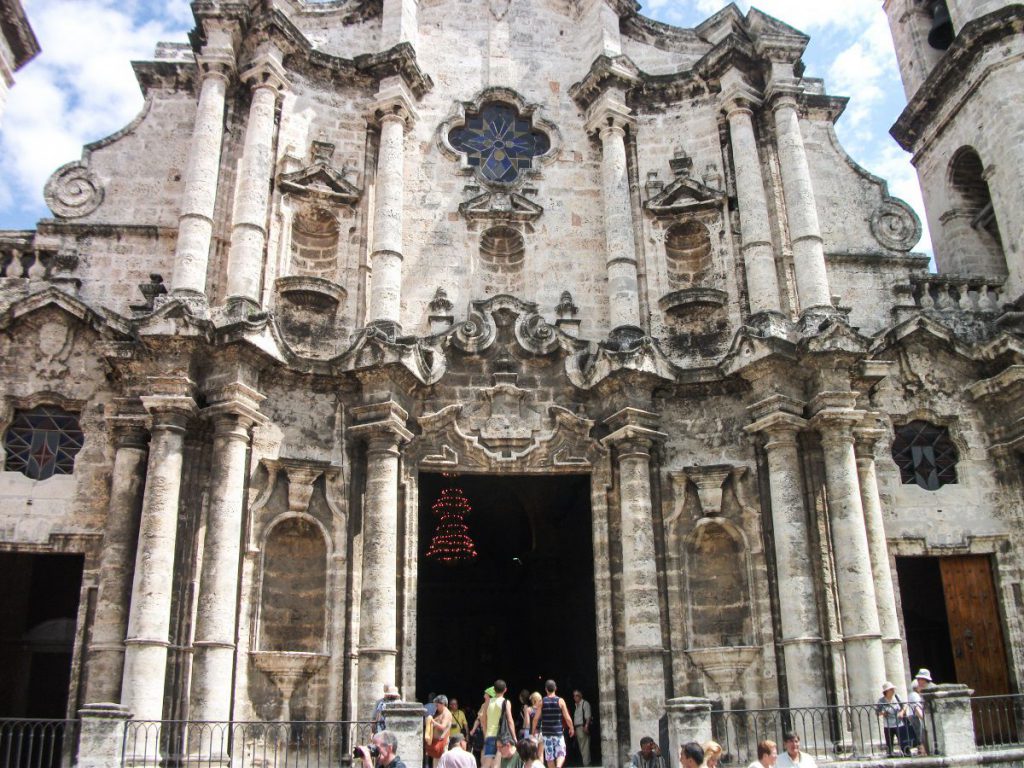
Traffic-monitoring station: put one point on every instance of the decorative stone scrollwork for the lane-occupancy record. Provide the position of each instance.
(73, 191)
(895, 225)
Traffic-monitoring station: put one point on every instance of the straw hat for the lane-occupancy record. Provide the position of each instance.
(887, 686)
(923, 674)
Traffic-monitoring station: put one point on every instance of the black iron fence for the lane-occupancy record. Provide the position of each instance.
(37, 743)
(242, 744)
(827, 733)
(998, 720)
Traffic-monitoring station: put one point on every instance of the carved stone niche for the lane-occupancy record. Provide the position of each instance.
(709, 482)
(309, 315)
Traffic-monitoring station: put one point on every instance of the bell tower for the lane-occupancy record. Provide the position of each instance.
(962, 63)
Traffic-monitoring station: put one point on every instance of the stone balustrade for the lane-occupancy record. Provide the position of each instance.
(949, 292)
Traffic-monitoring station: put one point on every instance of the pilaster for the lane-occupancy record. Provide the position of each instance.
(130, 435)
(267, 79)
(382, 428)
(142, 689)
(633, 435)
(778, 418)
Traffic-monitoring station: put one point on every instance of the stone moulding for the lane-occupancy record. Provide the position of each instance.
(723, 666)
(73, 191)
(678, 302)
(311, 292)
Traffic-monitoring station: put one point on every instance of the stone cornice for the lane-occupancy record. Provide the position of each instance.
(376, 420)
(945, 82)
(606, 73)
(236, 399)
(18, 34)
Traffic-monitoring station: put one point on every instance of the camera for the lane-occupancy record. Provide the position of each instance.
(371, 749)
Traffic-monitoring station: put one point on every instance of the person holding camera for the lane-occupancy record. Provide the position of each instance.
(382, 751)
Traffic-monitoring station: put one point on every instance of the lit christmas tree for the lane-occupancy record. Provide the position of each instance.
(452, 543)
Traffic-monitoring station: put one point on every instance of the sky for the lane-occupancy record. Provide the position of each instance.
(81, 88)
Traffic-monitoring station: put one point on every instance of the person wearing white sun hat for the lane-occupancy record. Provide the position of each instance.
(893, 713)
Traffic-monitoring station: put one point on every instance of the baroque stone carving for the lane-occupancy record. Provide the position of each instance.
(895, 225)
(73, 191)
(321, 180)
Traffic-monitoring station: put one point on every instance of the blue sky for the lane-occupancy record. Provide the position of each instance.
(81, 87)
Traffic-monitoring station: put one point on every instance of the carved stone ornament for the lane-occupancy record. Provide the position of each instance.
(500, 206)
(895, 225)
(321, 180)
(73, 191)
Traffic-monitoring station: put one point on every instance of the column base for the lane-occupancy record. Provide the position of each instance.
(813, 319)
(389, 329)
(625, 338)
(238, 309)
(196, 303)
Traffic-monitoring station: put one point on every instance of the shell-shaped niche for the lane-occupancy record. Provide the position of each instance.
(310, 315)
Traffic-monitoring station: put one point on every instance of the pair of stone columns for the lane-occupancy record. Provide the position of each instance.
(252, 196)
(382, 427)
(859, 551)
(633, 435)
(739, 102)
(148, 625)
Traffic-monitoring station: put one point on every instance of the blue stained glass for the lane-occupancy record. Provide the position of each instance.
(499, 143)
(43, 442)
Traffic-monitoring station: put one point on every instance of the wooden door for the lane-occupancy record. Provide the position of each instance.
(975, 630)
(976, 636)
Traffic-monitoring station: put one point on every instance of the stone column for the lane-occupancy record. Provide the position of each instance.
(383, 429)
(801, 640)
(142, 689)
(393, 116)
(801, 212)
(758, 251)
(195, 224)
(633, 435)
(862, 636)
(106, 648)
(609, 117)
(252, 192)
(885, 593)
(234, 413)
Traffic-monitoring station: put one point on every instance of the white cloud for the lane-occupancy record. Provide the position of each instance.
(79, 89)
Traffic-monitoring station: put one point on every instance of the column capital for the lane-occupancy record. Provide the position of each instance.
(781, 95)
(216, 63)
(394, 103)
(130, 431)
(867, 435)
(236, 401)
(609, 115)
(739, 97)
(836, 425)
(381, 422)
(633, 430)
(265, 71)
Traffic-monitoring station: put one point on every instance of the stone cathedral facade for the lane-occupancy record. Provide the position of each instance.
(347, 246)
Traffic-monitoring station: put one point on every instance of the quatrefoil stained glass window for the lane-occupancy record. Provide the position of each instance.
(43, 442)
(499, 143)
(925, 455)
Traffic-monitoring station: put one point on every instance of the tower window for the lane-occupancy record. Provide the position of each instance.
(43, 442)
(925, 455)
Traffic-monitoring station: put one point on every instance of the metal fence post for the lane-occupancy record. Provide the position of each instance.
(689, 720)
(101, 738)
(948, 717)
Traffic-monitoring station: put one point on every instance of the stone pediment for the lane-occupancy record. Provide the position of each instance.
(107, 324)
(373, 348)
(589, 368)
(492, 318)
(835, 336)
(500, 206)
(684, 194)
(321, 180)
(503, 428)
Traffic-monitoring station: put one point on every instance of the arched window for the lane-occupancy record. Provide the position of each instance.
(502, 257)
(43, 442)
(688, 255)
(970, 226)
(925, 455)
(294, 596)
